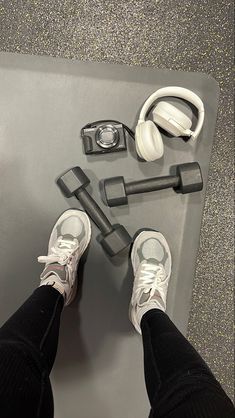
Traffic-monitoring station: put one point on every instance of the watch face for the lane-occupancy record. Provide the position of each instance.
(107, 136)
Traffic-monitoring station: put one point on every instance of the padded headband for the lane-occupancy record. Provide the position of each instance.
(182, 93)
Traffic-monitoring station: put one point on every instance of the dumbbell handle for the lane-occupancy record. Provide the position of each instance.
(150, 185)
(94, 211)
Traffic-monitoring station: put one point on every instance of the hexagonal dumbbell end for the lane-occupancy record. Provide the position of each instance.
(73, 180)
(190, 177)
(116, 241)
(115, 192)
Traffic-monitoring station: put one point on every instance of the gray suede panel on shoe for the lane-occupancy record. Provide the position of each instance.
(56, 269)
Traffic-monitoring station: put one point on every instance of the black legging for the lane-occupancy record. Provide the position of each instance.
(179, 383)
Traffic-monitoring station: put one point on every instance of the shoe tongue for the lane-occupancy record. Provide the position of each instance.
(152, 261)
(144, 297)
(54, 269)
(64, 244)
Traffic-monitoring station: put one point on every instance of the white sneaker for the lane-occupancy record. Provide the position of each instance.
(151, 261)
(69, 239)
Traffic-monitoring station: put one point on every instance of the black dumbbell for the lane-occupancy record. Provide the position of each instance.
(114, 238)
(188, 179)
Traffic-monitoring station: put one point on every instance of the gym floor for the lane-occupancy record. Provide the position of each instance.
(187, 35)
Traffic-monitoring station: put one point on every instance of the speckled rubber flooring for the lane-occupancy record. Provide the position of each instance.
(188, 35)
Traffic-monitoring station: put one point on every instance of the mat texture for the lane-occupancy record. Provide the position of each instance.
(43, 104)
(186, 35)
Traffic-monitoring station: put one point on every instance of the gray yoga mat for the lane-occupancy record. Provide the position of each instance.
(43, 104)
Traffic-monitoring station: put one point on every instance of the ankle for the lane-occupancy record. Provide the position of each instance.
(53, 282)
(148, 307)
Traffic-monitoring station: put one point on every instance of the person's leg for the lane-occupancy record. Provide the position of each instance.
(28, 340)
(28, 345)
(179, 383)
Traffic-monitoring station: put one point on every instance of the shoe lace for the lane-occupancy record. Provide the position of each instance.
(151, 279)
(61, 252)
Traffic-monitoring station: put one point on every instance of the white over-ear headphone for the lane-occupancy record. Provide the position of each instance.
(149, 145)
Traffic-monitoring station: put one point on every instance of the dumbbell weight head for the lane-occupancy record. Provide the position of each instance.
(113, 238)
(190, 178)
(73, 180)
(116, 241)
(115, 192)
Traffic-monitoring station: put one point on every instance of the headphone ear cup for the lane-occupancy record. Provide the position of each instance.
(149, 145)
(171, 119)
